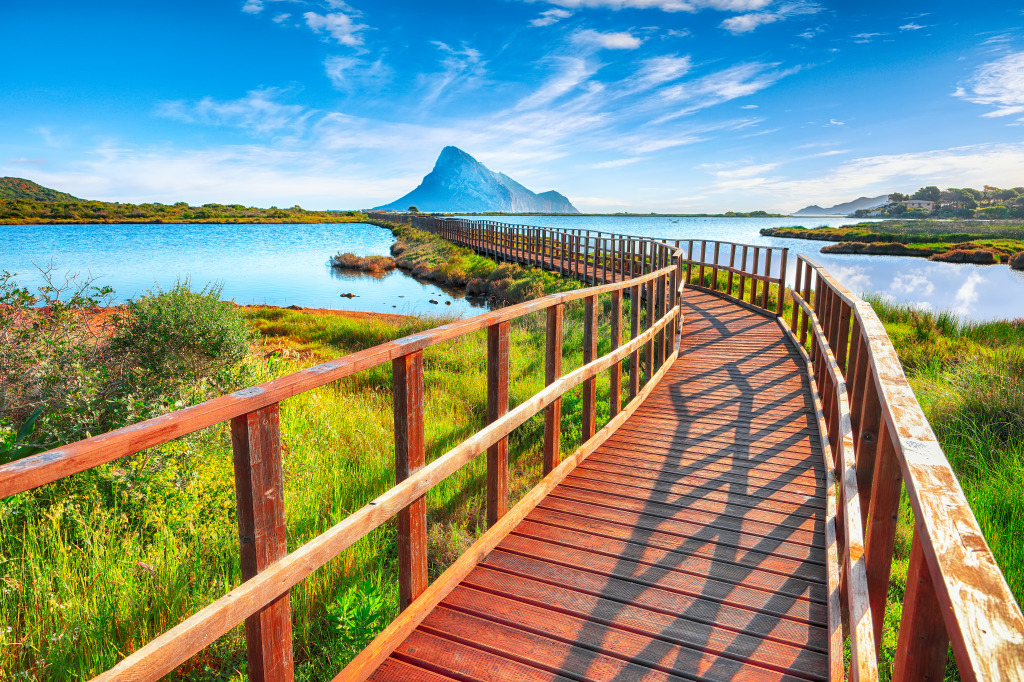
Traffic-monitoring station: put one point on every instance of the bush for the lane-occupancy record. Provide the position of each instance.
(184, 340)
(1017, 261)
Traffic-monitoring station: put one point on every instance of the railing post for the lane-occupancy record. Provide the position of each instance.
(882, 516)
(497, 406)
(767, 281)
(732, 266)
(743, 275)
(649, 346)
(754, 271)
(703, 257)
(714, 269)
(553, 372)
(262, 535)
(782, 283)
(796, 308)
(921, 648)
(634, 331)
(615, 390)
(589, 355)
(410, 456)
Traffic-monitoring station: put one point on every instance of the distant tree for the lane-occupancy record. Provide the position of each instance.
(897, 197)
(413, 209)
(929, 193)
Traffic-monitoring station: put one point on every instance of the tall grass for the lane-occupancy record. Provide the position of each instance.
(84, 582)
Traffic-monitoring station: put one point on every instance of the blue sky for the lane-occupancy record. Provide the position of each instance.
(622, 105)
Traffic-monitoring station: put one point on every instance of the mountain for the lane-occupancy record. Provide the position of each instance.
(845, 209)
(461, 184)
(20, 188)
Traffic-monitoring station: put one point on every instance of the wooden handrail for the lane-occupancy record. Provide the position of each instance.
(956, 595)
(268, 570)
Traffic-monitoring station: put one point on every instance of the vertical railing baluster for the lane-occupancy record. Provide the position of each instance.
(497, 406)
(649, 346)
(923, 642)
(589, 355)
(732, 266)
(881, 518)
(703, 257)
(615, 391)
(634, 331)
(714, 268)
(410, 456)
(743, 276)
(754, 272)
(553, 372)
(262, 535)
(767, 275)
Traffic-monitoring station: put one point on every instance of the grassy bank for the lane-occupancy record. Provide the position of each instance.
(957, 241)
(97, 565)
(969, 379)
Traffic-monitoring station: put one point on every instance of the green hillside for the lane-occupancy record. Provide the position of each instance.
(20, 188)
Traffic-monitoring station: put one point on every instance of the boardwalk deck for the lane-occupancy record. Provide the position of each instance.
(690, 545)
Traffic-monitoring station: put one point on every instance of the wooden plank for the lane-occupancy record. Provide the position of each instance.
(589, 416)
(552, 372)
(497, 406)
(923, 642)
(615, 388)
(262, 535)
(410, 456)
(394, 670)
(466, 662)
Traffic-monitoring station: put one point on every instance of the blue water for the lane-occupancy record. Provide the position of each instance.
(270, 264)
(979, 292)
(288, 264)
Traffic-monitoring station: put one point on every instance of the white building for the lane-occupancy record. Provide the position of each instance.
(921, 204)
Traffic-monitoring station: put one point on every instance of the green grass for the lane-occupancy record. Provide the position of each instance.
(922, 238)
(97, 565)
(969, 379)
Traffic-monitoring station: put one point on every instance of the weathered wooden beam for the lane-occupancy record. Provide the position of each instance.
(497, 406)
(262, 536)
(410, 456)
(552, 372)
(589, 354)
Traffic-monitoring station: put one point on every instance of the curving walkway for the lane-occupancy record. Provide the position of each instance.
(690, 545)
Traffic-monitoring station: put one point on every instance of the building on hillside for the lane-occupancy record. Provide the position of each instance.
(919, 204)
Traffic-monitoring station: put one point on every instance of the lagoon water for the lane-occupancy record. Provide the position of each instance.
(288, 264)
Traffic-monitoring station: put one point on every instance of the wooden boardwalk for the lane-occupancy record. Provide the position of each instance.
(690, 545)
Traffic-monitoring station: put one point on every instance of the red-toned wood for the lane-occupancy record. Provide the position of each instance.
(767, 273)
(882, 516)
(497, 405)
(649, 346)
(923, 643)
(410, 456)
(615, 389)
(634, 331)
(552, 371)
(262, 535)
(783, 265)
(755, 262)
(589, 354)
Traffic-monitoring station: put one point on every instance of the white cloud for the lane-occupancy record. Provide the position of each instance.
(338, 25)
(664, 69)
(999, 83)
(346, 73)
(666, 5)
(552, 16)
(834, 122)
(912, 283)
(912, 27)
(736, 81)
(282, 17)
(749, 106)
(618, 163)
(253, 6)
(257, 112)
(574, 72)
(679, 33)
(609, 41)
(462, 70)
(862, 38)
(967, 294)
(745, 23)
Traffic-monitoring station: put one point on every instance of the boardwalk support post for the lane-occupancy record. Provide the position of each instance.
(497, 406)
(259, 494)
(410, 456)
(552, 372)
(589, 355)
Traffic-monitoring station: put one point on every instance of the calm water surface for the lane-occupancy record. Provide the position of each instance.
(978, 292)
(272, 264)
(288, 264)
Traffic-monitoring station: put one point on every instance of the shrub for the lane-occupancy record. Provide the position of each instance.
(1017, 261)
(181, 343)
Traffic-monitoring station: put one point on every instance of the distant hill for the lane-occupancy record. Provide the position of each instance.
(460, 183)
(845, 209)
(20, 188)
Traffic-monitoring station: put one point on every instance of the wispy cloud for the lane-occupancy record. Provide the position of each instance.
(551, 16)
(862, 38)
(282, 17)
(461, 71)
(912, 26)
(572, 72)
(745, 23)
(999, 83)
(666, 5)
(736, 81)
(348, 73)
(623, 40)
(253, 6)
(258, 112)
(337, 25)
(618, 163)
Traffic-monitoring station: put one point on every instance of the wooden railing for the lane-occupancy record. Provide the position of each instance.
(269, 571)
(705, 259)
(879, 441)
